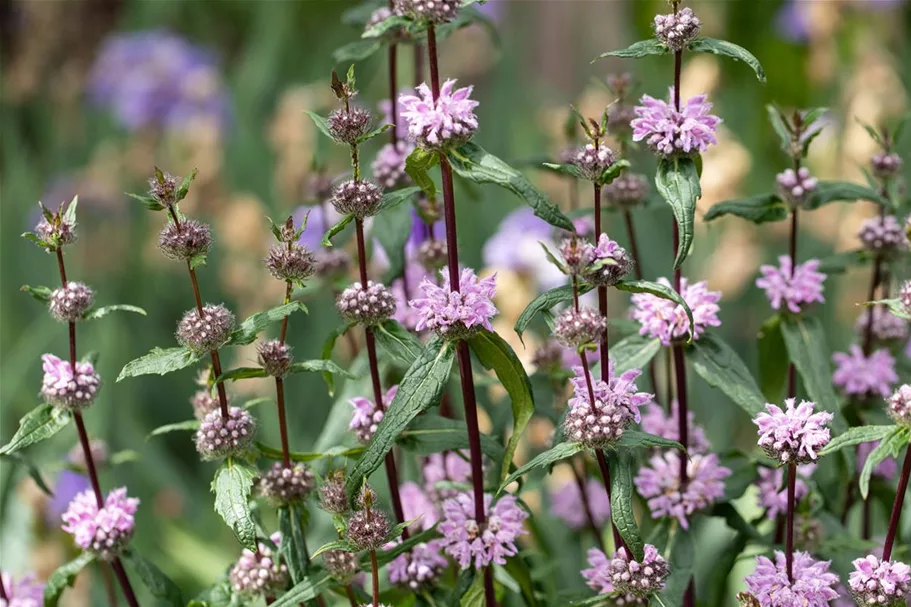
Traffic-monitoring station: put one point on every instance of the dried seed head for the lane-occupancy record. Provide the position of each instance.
(627, 191)
(433, 11)
(359, 198)
(192, 238)
(218, 437)
(275, 357)
(367, 307)
(207, 331)
(332, 495)
(432, 254)
(368, 529)
(203, 403)
(677, 30)
(341, 565)
(164, 190)
(573, 329)
(69, 303)
(332, 264)
(886, 165)
(291, 262)
(347, 126)
(61, 387)
(284, 485)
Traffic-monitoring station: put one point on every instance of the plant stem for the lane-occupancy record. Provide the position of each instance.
(121, 575)
(468, 392)
(280, 389)
(375, 570)
(3, 594)
(352, 598)
(789, 525)
(897, 506)
(589, 517)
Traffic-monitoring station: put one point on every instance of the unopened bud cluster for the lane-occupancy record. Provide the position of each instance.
(641, 579)
(886, 165)
(275, 357)
(260, 572)
(64, 388)
(219, 437)
(71, 302)
(367, 307)
(341, 565)
(575, 328)
(432, 254)
(205, 331)
(677, 30)
(597, 427)
(333, 497)
(349, 125)
(185, 241)
(163, 188)
(286, 484)
(593, 160)
(796, 187)
(290, 262)
(883, 234)
(56, 231)
(576, 254)
(627, 191)
(432, 11)
(359, 198)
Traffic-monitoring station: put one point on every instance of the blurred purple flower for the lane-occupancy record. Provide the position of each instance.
(366, 416)
(69, 484)
(773, 494)
(886, 468)
(158, 79)
(791, 22)
(516, 246)
(416, 503)
(28, 591)
(103, 531)
(861, 376)
(448, 467)
(657, 421)
(566, 503)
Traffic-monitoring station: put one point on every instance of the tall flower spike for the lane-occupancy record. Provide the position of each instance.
(881, 583)
(62, 388)
(659, 483)
(795, 287)
(667, 321)
(899, 406)
(609, 263)
(795, 435)
(261, 572)
(218, 437)
(812, 585)
(104, 532)
(670, 132)
(456, 314)
(677, 30)
(467, 542)
(448, 121)
(69, 303)
(863, 376)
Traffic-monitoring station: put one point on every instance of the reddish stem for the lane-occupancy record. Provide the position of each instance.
(897, 506)
(789, 524)
(375, 569)
(121, 575)
(586, 506)
(352, 598)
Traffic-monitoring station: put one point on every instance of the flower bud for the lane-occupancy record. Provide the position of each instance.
(70, 303)
(886, 165)
(163, 188)
(332, 494)
(642, 579)
(190, 239)
(677, 30)
(573, 329)
(347, 126)
(883, 234)
(218, 437)
(294, 262)
(285, 485)
(593, 161)
(359, 198)
(62, 388)
(796, 187)
(260, 572)
(207, 331)
(341, 565)
(367, 307)
(275, 357)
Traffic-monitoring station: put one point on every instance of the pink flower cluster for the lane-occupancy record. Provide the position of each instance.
(104, 531)
(456, 314)
(862, 376)
(794, 435)
(793, 286)
(447, 121)
(62, 388)
(659, 483)
(467, 541)
(665, 320)
(812, 585)
(625, 575)
(883, 583)
(366, 416)
(669, 132)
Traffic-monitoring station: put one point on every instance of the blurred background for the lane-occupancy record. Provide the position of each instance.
(96, 93)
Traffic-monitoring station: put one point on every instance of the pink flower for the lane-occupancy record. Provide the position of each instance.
(260, 572)
(899, 405)
(773, 493)
(61, 388)
(27, 592)
(667, 321)
(366, 416)
(862, 376)
(812, 586)
(659, 483)
(566, 503)
(794, 435)
(669, 132)
(447, 121)
(467, 541)
(415, 504)
(456, 314)
(795, 286)
(389, 165)
(420, 567)
(886, 468)
(656, 421)
(876, 582)
(449, 467)
(104, 532)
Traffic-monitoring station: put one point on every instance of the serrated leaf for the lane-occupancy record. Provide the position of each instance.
(392, 228)
(241, 373)
(335, 545)
(157, 583)
(321, 366)
(637, 439)
(621, 483)
(434, 434)
(805, 339)
(838, 263)
(341, 225)
(677, 180)
(475, 164)
(718, 364)
(762, 208)
(418, 165)
(190, 425)
(856, 436)
(658, 290)
(495, 354)
(633, 352)
(306, 590)
(159, 362)
(396, 197)
(104, 311)
(149, 202)
(42, 294)
(728, 49)
(642, 48)
(546, 459)
(399, 343)
(232, 486)
(64, 577)
(773, 359)
(37, 425)
(420, 388)
(247, 331)
(321, 123)
(843, 191)
(890, 446)
(293, 546)
(546, 301)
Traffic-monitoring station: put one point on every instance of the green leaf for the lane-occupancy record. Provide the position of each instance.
(677, 181)
(359, 50)
(384, 557)
(37, 425)
(190, 425)
(241, 373)
(434, 434)
(856, 436)
(159, 362)
(564, 169)
(248, 330)
(149, 202)
(895, 306)
(843, 191)
(474, 596)
(184, 188)
(658, 290)
(494, 353)
(393, 22)
(374, 133)
(621, 484)
(890, 446)
(33, 472)
(69, 215)
(781, 125)
(637, 439)
(320, 365)
(519, 570)
(543, 460)
(735, 521)
(475, 164)
(335, 545)
(299, 456)
(838, 263)
(805, 339)
(633, 352)
(422, 387)
(642, 48)
(393, 229)
(157, 583)
(197, 260)
(327, 237)
(418, 165)
(773, 359)
(399, 343)
(232, 485)
(64, 577)
(718, 364)
(613, 171)
(393, 199)
(104, 311)
(544, 302)
(293, 547)
(762, 208)
(680, 560)
(306, 590)
(42, 294)
(728, 49)
(321, 123)
(326, 354)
